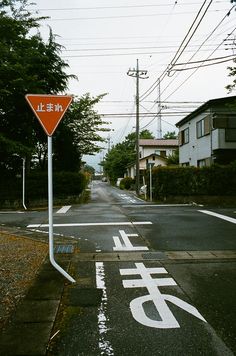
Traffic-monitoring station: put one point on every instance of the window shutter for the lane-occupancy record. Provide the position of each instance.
(207, 125)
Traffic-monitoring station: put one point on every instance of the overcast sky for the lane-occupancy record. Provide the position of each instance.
(104, 38)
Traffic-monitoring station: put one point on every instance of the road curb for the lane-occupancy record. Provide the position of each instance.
(28, 331)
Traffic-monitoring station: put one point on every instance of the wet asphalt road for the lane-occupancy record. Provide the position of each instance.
(152, 280)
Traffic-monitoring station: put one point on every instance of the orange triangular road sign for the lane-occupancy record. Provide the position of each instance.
(49, 109)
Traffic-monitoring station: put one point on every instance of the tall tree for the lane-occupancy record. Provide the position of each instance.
(232, 73)
(78, 133)
(170, 135)
(28, 65)
(121, 155)
(232, 70)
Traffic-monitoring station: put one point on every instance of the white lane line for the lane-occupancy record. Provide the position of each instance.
(64, 209)
(12, 212)
(153, 205)
(127, 223)
(220, 216)
(104, 345)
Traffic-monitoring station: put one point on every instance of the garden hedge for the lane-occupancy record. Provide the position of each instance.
(188, 181)
(36, 186)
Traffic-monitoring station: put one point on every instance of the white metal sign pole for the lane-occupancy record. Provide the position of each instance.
(23, 184)
(150, 174)
(50, 214)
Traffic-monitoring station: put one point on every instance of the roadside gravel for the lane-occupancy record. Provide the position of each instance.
(20, 260)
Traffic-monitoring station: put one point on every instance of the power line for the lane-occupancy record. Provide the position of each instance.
(227, 14)
(122, 48)
(157, 82)
(151, 101)
(117, 7)
(122, 54)
(120, 16)
(177, 55)
(144, 127)
(195, 70)
(121, 115)
(232, 57)
(154, 85)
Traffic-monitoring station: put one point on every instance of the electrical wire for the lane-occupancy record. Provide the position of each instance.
(122, 54)
(177, 56)
(208, 64)
(122, 48)
(195, 70)
(228, 13)
(156, 83)
(117, 7)
(121, 115)
(119, 16)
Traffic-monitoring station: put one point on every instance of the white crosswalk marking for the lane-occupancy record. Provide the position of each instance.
(64, 209)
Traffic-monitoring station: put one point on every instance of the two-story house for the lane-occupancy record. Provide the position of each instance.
(208, 134)
(153, 151)
(161, 147)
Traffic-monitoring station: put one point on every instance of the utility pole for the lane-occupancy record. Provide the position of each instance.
(109, 143)
(138, 74)
(159, 128)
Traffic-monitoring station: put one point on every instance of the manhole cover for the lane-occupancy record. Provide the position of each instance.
(64, 249)
(154, 256)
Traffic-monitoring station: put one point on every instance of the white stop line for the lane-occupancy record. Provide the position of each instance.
(121, 223)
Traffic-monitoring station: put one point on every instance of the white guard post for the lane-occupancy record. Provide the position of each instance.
(50, 214)
(23, 184)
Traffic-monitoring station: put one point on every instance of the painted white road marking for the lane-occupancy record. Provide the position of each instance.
(121, 223)
(154, 205)
(12, 212)
(104, 345)
(64, 209)
(220, 216)
(127, 197)
(124, 244)
(165, 318)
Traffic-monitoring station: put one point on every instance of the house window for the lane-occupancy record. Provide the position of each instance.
(185, 164)
(160, 153)
(206, 162)
(153, 158)
(203, 127)
(230, 131)
(184, 136)
(201, 163)
(230, 135)
(223, 121)
(163, 153)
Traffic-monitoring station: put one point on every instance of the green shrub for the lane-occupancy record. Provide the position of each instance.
(214, 180)
(127, 183)
(65, 184)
